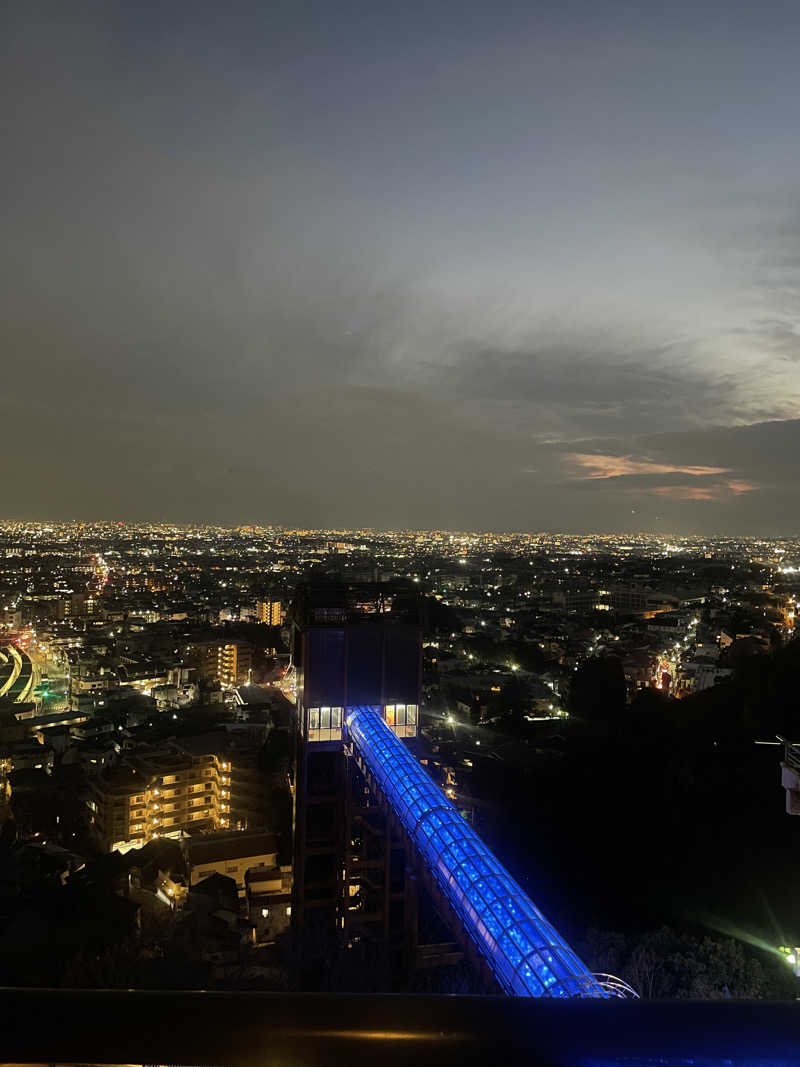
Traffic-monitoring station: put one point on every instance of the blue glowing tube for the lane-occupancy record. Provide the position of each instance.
(522, 949)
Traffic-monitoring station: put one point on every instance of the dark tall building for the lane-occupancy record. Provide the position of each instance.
(384, 863)
(353, 645)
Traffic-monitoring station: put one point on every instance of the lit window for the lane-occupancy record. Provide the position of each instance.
(325, 724)
(264, 913)
(288, 909)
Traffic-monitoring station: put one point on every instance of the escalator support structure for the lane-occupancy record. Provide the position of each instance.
(526, 955)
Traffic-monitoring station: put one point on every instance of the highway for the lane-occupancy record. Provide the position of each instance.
(18, 683)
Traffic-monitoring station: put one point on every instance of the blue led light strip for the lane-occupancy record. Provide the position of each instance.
(524, 952)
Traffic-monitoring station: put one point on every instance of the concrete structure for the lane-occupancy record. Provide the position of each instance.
(375, 839)
(233, 854)
(158, 792)
(228, 662)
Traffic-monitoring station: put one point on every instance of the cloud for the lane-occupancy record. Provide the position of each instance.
(245, 269)
(705, 492)
(599, 466)
(685, 492)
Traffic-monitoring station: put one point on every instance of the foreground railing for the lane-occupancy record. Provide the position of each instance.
(244, 1029)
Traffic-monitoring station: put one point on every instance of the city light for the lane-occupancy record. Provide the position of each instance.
(168, 631)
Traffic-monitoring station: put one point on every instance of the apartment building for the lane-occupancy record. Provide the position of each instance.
(227, 662)
(160, 792)
(271, 612)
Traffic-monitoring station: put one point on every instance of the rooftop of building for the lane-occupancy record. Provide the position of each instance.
(257, 695)
(230, 845)
(122, 780)
(327, 602)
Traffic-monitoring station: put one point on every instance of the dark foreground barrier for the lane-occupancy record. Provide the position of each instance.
(195, 1028)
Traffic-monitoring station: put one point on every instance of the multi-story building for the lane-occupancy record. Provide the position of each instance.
(572, 599)
(357, 644)
(161, 792)
(352, 645)
(231, 853)
(639, 598)
(10, 618)
(270, 612)
(228, 662)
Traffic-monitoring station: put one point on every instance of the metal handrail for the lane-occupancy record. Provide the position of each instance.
(791, 753)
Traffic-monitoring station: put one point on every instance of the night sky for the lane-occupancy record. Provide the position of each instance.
(511, 266)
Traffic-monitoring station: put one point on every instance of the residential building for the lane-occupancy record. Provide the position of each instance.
(160, 792)
(228, 662)
(231, 853)
(270, 612)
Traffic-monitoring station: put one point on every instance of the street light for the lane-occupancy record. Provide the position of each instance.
(792, 957)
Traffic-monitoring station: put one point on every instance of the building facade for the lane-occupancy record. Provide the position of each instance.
(270, 612)
(227, 662)
(352, 645)
(163, 792)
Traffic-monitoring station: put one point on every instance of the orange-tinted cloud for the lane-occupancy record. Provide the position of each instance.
(703, 492)
(597, 466)
(688, 492)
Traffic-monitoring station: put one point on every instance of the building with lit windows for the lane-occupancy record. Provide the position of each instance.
(234, 854)
(164, 791)
(351, 644)
(356, 644)
(227, 662)
(381, 853)
(270, 612)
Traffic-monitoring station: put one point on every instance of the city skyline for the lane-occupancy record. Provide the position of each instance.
(461, 267)
(9, 524)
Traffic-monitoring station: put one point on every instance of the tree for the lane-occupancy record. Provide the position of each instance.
(598, 691)
(665, 963)
(514, 698)
(714, 969)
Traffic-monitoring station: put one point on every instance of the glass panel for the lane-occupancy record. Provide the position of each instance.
(390, 714)
(313, 719)
(525, 953)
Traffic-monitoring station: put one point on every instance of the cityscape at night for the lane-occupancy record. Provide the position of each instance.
(400, 533)
(607, 704)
